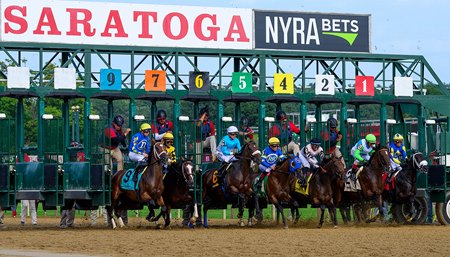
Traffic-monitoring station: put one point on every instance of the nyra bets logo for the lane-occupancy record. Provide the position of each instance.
(272, 158)
(342, 28)
(311, 31)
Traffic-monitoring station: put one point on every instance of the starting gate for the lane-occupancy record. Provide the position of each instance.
(7, 160)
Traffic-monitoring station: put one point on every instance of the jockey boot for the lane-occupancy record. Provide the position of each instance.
(389, 177)
(259, 180)
(353, 174)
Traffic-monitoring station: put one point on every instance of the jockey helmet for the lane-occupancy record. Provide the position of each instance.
(274, 141)
(145, 126)
(232, 129)
(168, 136)
(371, 138)
(118, 120)
(161, 115)
(332, 123)
(244, 121)
(281, 115)
(315, 141)
(398, 137)
(204, 110)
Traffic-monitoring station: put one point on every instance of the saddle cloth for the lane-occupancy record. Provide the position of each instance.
(350, 185)
(302, 190)
(127, 182)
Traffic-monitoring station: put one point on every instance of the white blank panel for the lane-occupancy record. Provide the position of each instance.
(65, 78)
(18, 77)
(324, 85)
(403, 86)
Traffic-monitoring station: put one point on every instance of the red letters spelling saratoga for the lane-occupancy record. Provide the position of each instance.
(125, 24)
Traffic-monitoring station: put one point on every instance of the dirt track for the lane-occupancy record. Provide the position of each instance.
(224, 239)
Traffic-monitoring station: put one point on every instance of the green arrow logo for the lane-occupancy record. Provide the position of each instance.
(349, 37)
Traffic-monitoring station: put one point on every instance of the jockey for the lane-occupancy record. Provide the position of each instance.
(168, 142)
(140, 147)
(362, 151)
(397, 152)
(308, 157)
(224, 150)
(163, 125)
(284, 131)
(247, 132)
(270, 156)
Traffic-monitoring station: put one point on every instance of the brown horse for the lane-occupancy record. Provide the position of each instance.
(151, 186)
(280, 185)
(236, 185)
(177, 182)
(401, 193)
(372, 186)
(321, 187)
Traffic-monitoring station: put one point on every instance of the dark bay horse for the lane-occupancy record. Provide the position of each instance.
(372, 186)
(236, 185)
(402, 190)
(321, 185)
(151, 186)
(280, 186)
(177, 181)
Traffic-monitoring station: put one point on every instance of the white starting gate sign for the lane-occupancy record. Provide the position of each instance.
(65, 78)
(324, 85)
(403, 86)
(18, 77)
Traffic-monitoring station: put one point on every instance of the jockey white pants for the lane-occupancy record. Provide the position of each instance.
(224, 158)
(136, 157)
(292, 147)
(305, 162)
(23, 212)
(395, 166)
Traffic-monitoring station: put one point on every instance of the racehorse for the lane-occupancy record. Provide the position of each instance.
(402, 189)
(177, 181)
(151, 186)
(321, 187)
(236, 184)
(280, 185)
(371, 181)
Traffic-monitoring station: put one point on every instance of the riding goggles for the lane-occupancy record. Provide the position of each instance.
(146, 130)
(275, 145)
(233, 134)
(169, 141)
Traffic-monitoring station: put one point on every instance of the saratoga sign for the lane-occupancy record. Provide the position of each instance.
(125, 24)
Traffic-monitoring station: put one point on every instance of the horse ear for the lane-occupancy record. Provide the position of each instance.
(183, 159)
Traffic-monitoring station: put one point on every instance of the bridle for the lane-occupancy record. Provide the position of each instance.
(157, 156)
(419, 165)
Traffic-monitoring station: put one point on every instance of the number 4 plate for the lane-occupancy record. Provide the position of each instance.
(324, 85)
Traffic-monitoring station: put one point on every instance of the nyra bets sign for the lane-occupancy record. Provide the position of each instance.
(125, 24)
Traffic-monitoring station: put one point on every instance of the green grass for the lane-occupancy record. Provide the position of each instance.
(306, 213)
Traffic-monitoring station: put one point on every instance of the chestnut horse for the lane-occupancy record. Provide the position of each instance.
(236, 184)
(280, 185)
(151, 186)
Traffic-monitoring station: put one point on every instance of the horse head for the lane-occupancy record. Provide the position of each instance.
(295, 164)
(419, 162)
(250, 151)
(380, 159)
(187, 170)
(334, 164)
(158, 154)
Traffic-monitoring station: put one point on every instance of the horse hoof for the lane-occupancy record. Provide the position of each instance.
(191, 225)
(205, 226)
(286, 227)
(335, 226)
(319, 226)
(241, 224)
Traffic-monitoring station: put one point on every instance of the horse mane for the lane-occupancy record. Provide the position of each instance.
(243, 147)
(377, 149)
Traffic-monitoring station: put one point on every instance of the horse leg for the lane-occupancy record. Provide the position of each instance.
(280, 210)
(259, 216)
(251, 212)
(332, 211)
(164, 211)
(297, 215)
(241, 200)
(205, 216)
(322, 215)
